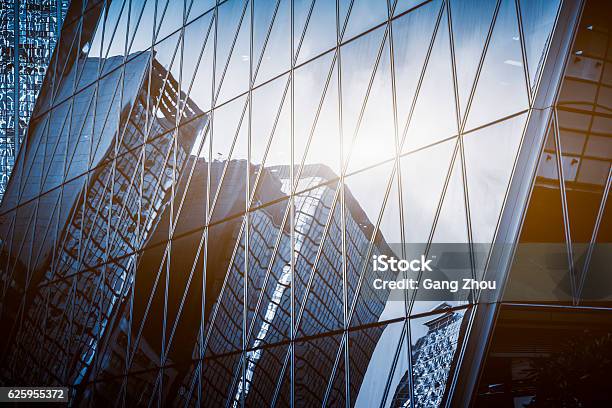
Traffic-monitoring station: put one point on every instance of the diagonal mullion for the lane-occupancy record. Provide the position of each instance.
(464, 183)
(594, 235)
(229, 57)
(421, 76)
(564, 207)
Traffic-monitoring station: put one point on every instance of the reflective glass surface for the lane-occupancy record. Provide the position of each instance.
(204, 185)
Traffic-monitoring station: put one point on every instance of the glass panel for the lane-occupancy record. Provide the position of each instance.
(261, 375)
(225, 271)
(115, 29)
(269, 103)
(314, 362)
(403, 5)
(487, 180)
(451, 225)
(198, 7)
(380, 357)
(411, 35)
(141, 25)
(363, 15)
(320, 291)
(310, 89)
(538, 19)
(232, 56)
(435, 339)
(435, 116)
(315, 28)
(272, 39)
(540, 272)
(423, 174)
(471, 22)
(502, 72)
(170, 16)
(364, 239)
(273, 180)
(358, 67)
(269, 263)
(217, 376)
(374, 141)
(313, 211)
(229, 154)
(323, 148)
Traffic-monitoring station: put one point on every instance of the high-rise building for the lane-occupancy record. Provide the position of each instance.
(432, 359)
(203, 186)
(30, 30)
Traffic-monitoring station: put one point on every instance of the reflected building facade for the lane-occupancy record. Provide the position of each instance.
(193, 214)
(30, 30)
(433, 356)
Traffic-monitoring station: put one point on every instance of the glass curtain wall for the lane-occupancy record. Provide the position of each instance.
(192, 216)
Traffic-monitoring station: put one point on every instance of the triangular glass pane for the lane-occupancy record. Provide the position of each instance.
(197, 63)
(276, 56)
(232, 26)
(269, 290)
(320, 34)
(167, 55)
(450, 247)
(191, 204)
(380, 354)
(227, 122)
(324, 145)
(583, 190)
(262, 373)
(487, 179)
(225, 271)
(358, 63)
(142, 16)
(229, 154)
(182, 309)
(314, 362)
(282, 394)
(540, 272)
(336, 392)
(502, 73)
(538, 20)
(402, 6)
(364, 15)
(236, 77)
(170, 16)
(267, 102)
(313, 210)
(411, 35)
(363, 201)
(116, 29)
(434, 116)
(435, 340)
(148, 304)
(596, 281)
(198, 7)
(217, 380)
(423, 174)
(323, 291)
(375, 139)
(310, 81)
(471, 22)
(94, 45)
(274, 178)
